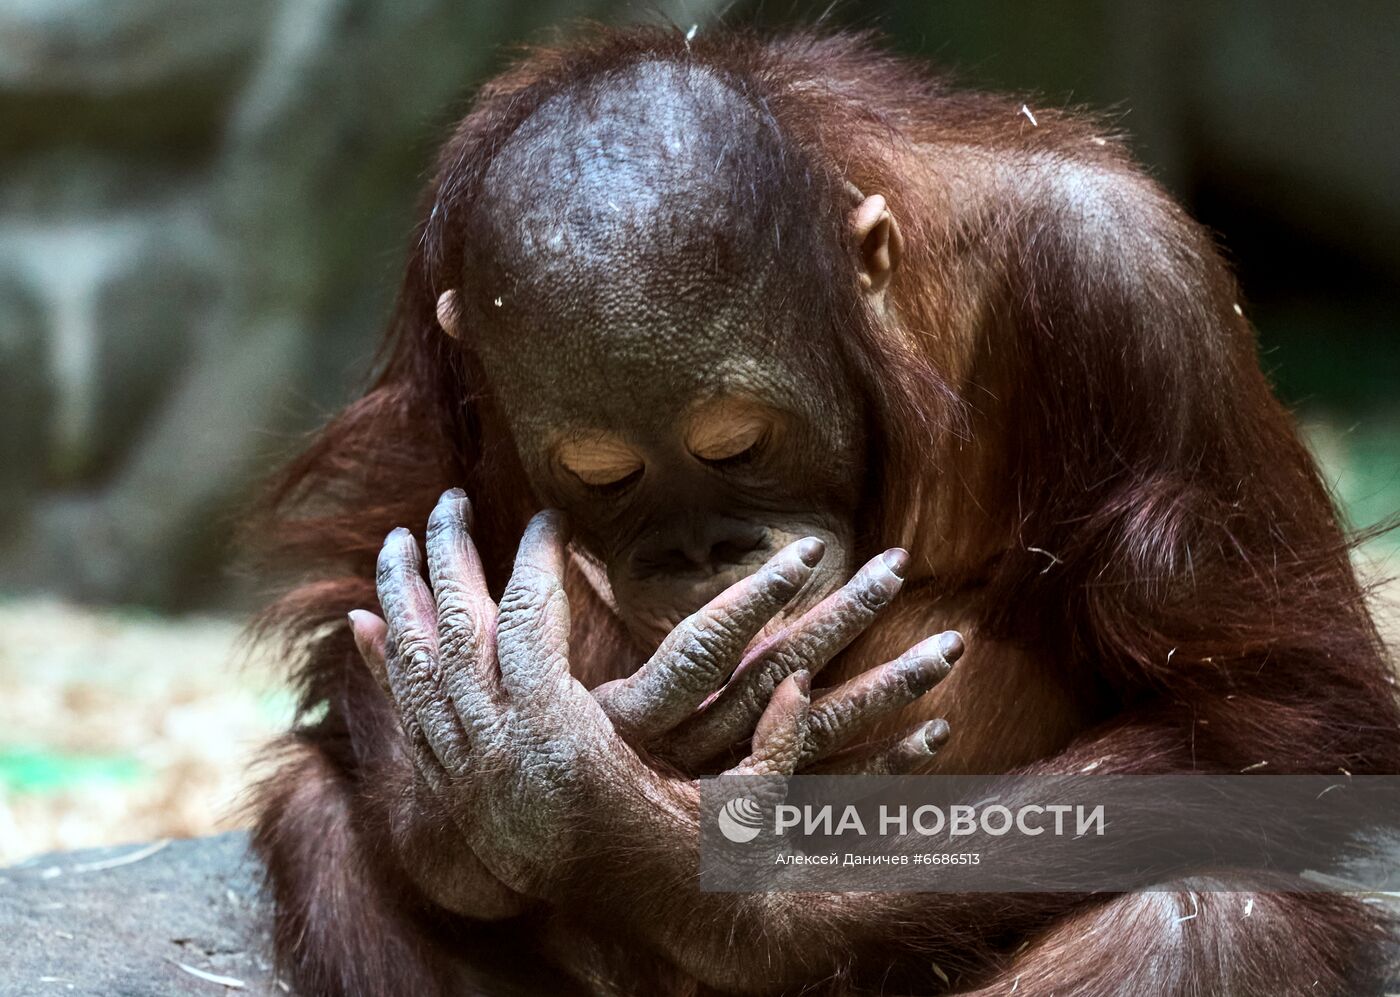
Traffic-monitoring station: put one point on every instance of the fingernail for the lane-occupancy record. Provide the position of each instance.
(951, 644)
(803, 680)
(398, 533)
(810, 551)
(461, 505)
(927, 656)
(359, 620)
(896, 559)
(936, 733)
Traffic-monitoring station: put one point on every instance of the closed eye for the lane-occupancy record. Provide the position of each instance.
(740, 458)
(603, 463)
(615, 487)
(728, 433)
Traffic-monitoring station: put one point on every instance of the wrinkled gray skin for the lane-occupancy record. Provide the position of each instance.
(620, 233)
(619, 239)
(531, 766)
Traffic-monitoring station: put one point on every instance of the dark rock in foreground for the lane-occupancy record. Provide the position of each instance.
(182, 917)
(187, 917)
(122, 922)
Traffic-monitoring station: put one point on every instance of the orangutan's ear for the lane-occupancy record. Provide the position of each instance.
(447, 315)
(875, 234)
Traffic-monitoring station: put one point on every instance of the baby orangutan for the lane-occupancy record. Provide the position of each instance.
(815, 365)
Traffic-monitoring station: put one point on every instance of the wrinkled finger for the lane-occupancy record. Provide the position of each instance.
(533, 634)
(827, 628)
(466, 616)
(809, 642)
(369, 633)
(698, 656)
(410, 616)
(781, 730)
(454, 565)
(909, 754)
(411, 662)
(854, 706)
(404, 595)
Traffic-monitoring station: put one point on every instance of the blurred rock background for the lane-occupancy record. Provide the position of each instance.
(203, 209)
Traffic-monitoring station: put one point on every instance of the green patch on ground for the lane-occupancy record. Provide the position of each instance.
(40, 771)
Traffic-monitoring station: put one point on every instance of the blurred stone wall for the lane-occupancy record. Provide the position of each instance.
(203, 205)
(1301, 96)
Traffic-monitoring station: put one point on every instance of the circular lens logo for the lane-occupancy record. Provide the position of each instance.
(740, 820)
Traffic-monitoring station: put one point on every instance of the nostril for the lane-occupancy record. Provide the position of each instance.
(661, 562)
(729, 547)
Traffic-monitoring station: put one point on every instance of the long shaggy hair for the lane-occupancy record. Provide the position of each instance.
(1103, 456)
(1070, 432)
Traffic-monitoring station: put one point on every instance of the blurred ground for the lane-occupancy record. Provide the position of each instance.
(120, 726)
(123, 726)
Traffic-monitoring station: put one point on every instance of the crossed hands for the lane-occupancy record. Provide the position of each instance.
(537, 772)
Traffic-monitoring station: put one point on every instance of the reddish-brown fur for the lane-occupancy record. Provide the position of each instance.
(1074, 441)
